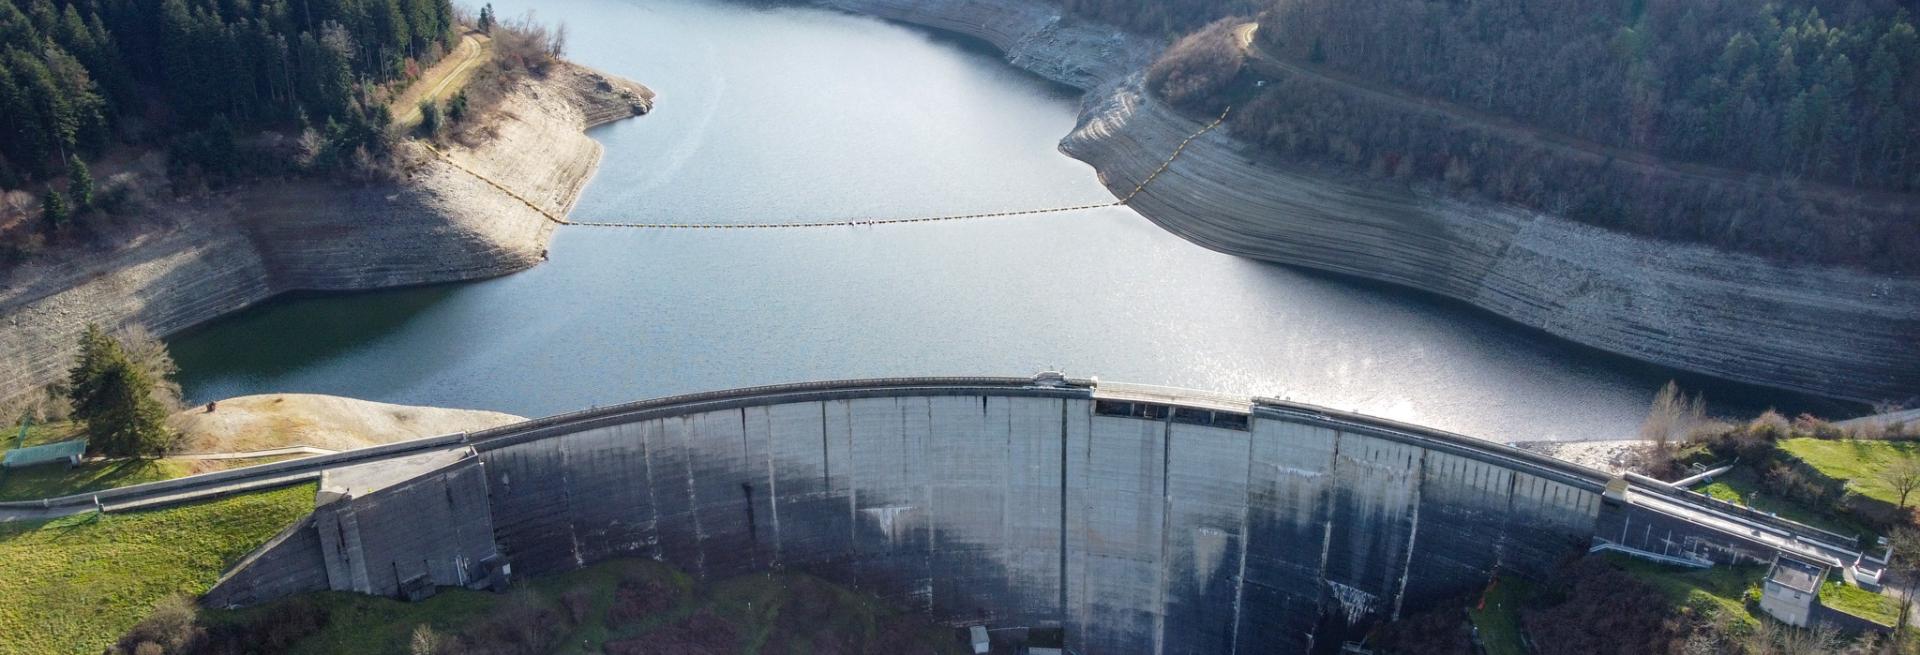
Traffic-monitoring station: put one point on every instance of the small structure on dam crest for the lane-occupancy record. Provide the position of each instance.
(1126, 517)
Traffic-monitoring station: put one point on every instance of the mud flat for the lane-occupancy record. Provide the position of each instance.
(216, 255)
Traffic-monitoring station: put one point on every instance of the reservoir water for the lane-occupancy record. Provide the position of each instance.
(796, 114)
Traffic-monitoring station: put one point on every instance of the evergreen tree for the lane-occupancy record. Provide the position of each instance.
(486, 18)
(429, 119)
(79, 183)
(457, 107)
(53, 208)
(114, 396)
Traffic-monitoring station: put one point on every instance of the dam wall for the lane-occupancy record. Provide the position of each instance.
(1134, 524)
(1132, 519)
(1824, 331)
(430, 528)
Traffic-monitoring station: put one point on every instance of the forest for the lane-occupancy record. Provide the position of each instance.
(78, 76)
(1817, 90)
(1777, 129)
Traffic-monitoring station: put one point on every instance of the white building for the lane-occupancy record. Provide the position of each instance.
(1791, 588)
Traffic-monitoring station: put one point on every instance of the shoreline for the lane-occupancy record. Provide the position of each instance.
(1831, 333)
(199, 259)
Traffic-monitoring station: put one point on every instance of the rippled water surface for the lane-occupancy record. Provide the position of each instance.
(791, 114)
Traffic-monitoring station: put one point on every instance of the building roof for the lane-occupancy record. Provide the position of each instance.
(58, 451)
(1795, 574)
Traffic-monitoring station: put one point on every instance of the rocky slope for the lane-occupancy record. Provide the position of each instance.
(1828, 332)
(223, 253)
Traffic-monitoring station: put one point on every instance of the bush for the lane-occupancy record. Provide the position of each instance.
(172, 627)
(1601, 610)
(429, 119)
(523, 625)
(1198, 71)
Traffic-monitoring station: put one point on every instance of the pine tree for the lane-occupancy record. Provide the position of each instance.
(79, 183)
(53, 208)
(114, 396)
(486, 19)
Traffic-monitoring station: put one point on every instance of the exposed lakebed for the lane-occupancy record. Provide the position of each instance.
(776, 115)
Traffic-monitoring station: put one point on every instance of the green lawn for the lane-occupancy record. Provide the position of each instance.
(49, 480)
(1740, 486)
(1496, 618)
(38, 433)
(1860, 602)
(75, 584)
(1722, 588)
(759, 613)
(1856, 461)
(36, 482)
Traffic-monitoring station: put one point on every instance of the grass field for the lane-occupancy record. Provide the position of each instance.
(1496, 618)
(38, 482)
(75, 584)
(50, 480)
(1721, 588)
(1860, 602)
(631, 606)
(38, 433)
(1857, 461)
(1740, 486)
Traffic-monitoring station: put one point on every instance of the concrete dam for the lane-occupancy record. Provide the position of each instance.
(1134, 519)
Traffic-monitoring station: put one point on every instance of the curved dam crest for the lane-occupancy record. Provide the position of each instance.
(1134, 518)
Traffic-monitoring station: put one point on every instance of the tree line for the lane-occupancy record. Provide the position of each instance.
(1532, 57)
(79, 75)
(1816, 89)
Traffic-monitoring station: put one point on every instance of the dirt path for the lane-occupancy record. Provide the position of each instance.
(1266, 63)
(447, 76)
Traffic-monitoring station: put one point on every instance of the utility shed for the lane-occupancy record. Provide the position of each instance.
(978, 636)
(1792, 586)
(60, 451)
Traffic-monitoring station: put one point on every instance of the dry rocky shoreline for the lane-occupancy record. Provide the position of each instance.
(219, 254)
(1828, 332)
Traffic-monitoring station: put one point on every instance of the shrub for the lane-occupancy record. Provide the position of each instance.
(172, 627)
(1200, 69)
(523, 625)
(429, 119)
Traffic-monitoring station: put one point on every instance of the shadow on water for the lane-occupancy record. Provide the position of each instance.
(296, 329)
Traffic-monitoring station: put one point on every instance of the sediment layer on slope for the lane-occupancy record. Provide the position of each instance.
(1823, 331)
(221, 254)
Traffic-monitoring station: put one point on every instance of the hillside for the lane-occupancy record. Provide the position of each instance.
(1767, 130)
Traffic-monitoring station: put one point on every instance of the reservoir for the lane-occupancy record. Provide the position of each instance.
(782, 115)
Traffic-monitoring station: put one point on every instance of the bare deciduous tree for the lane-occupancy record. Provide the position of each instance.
(1671, 418)
(1903, 477)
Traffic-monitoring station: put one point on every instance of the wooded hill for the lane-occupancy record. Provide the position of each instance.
(79, 75)
(1823, 90)
(1778, 129)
